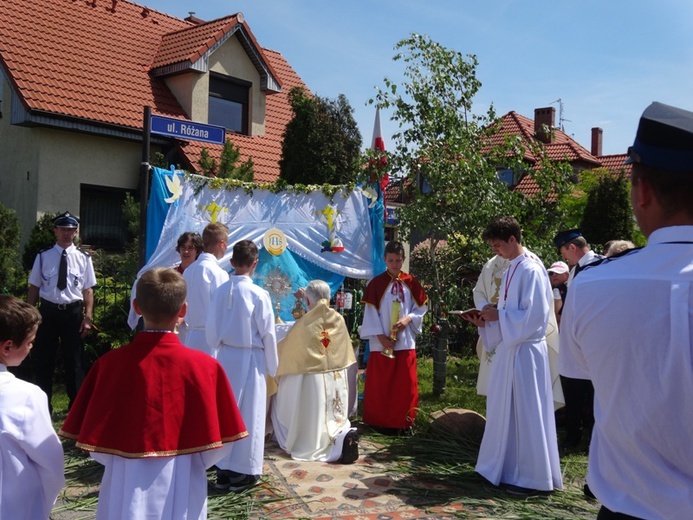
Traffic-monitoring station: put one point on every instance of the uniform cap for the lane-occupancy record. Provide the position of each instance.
(664, 139)
(66, 220)
(565, 236)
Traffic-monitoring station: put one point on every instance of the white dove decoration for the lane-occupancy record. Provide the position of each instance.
(174, 186)
(370, 193)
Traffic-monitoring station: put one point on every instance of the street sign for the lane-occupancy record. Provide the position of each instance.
(189, 130)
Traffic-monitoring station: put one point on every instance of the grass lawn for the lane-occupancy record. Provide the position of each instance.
(424, 455)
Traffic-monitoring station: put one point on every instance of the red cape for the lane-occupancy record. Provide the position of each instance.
(154, 398)
(375, 290)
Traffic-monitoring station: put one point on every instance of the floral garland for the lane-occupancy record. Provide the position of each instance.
(329, 190)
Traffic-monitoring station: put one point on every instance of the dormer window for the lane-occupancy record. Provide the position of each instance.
(229, 99)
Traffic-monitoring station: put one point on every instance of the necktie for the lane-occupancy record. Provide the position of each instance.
(62, 271)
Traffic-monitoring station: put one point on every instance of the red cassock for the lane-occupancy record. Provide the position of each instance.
(391, 395)
(154, 398)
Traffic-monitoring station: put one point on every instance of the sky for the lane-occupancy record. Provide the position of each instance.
(605, 60)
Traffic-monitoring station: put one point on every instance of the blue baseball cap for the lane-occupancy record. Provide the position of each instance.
(664, 139)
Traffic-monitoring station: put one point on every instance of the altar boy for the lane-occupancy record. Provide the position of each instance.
(240, 330)
(155, 413)
(31, 456)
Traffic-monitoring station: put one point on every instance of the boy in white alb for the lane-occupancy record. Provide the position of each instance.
(519, 449)
(31, 456)
(240, 330)
(203, 277)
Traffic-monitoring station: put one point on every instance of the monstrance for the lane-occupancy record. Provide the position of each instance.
(279, 285)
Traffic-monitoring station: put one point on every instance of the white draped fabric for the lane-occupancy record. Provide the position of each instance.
(519, 446)
(307, 220)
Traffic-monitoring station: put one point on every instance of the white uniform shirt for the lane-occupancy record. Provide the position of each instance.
(31, 456)
(589, 257)
(627, 325)
(80, 274)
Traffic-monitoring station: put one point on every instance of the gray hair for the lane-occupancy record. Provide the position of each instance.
(317, 290)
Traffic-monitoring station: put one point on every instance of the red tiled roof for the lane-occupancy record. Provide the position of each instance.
(86, 60)
(265, 150)
(91, 60)
(192, 42)
(561, 148)
(614, 163)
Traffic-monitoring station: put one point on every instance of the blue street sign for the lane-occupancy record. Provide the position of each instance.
(189, 130)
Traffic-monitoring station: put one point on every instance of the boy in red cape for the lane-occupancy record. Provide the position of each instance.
(392, 318)
(155, 413)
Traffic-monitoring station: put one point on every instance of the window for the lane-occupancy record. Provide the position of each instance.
(102, 222)
(228, 103)
(506, 176)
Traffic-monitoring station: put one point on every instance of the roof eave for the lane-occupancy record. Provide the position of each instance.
(268, 79)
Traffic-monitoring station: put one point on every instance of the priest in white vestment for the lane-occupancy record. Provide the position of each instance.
(310, 411)
(519, 448)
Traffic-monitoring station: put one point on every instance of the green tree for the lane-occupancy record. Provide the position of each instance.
(40, 238)
(451, 160)
(321, 143)
(228, 166)
(608, 212)
(12, 276)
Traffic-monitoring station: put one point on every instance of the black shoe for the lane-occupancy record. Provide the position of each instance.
(588, 492)
(227, 478)
(512, 489)
(223, 482)
(246, 482)
(350, 448)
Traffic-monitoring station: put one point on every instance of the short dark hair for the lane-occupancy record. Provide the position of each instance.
(213, 233)
(160, 293)
(192, 236)
(673, 190)
(244, 253)
(393, 246)
(18, 319)
(502, 228)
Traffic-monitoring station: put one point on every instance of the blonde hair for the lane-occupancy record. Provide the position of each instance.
(161, 293)
(213, 233)
(614, 247)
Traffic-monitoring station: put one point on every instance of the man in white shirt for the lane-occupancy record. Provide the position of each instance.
(628, 326)
(203, 277)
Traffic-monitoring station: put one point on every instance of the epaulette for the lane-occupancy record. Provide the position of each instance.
(45, 249)
(84, 251)
(605, 259)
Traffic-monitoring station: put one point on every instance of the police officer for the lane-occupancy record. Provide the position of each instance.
(62, 278)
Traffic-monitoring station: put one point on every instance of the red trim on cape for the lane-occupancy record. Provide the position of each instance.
(375, 290)
(154, 398)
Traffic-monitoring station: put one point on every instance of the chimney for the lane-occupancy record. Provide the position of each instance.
(596, 149)
(544, 123)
